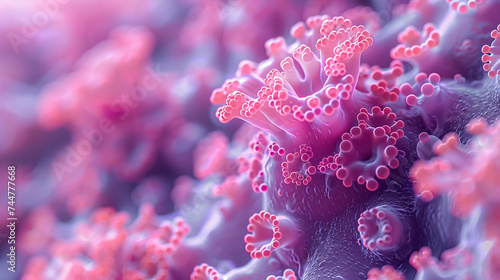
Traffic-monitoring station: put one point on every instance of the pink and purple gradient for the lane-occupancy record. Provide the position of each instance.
(240, 140)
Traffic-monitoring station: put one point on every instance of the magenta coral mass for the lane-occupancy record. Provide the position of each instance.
(242, 140)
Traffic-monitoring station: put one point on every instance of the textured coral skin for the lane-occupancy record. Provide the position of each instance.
(240, 140)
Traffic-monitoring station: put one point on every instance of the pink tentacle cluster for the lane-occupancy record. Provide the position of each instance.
(253, 164)
(492, 60)
(204, 272)
(288, 274)
(424, 86)
(265, 235)
(380, 83)
(324, 102)
(164, 238)
(414, 44)
(296, 167)
(429, 174)
(319, 71)
(268, 233)
(354, 40)
(386, 273)
(219, 96)
(309, 37)
(462, 6)
(380, 229)
(367, 150)
(422, 258)
(427, 95)
(466, 173)
(276, 50)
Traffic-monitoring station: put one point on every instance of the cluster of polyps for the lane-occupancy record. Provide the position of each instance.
(268, 233)
(204, 272)
(141, 250)
(371, 144)
(365, 153)
(492, 61)
(413, 44)
(424, 87)
(265, 235)
(305, 96)
(426, 92)
(311, 91)
(380, 84)
(296, 167)
(327, 64)
(292, 95)
(466, 173)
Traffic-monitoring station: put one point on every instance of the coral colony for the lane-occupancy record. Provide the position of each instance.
(367, 145)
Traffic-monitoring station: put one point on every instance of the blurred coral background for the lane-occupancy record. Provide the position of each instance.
(251, 139)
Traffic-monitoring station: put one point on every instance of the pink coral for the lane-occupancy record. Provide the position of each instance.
(204, 272)
(296, 167)
(456, 262)
(367, 150)
(264, 228)
(380, 229)
(386, 273)
(138, 251)
(469, 178)
(414, 44)
(268, 233)
(491, 61)
(269, 98)
(253, 163)
(380, 85)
